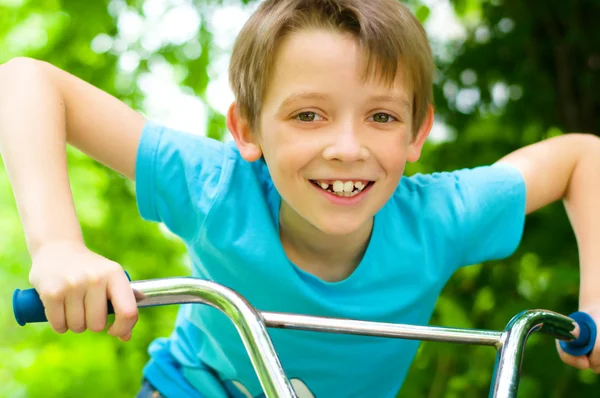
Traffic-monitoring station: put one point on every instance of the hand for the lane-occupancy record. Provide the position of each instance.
(74, 284)
(592, 361)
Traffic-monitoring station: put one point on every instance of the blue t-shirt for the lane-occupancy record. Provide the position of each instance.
(226, 210)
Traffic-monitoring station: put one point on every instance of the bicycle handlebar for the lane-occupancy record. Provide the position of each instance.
(28, 308)
(251, 325)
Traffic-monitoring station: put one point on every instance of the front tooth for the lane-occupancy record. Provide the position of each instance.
(359, 185)
(323, 185)
(338, 186)
(348, 186)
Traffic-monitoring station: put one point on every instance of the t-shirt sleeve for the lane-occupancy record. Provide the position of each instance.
(490, 212)
(466, 216)
(177, 178)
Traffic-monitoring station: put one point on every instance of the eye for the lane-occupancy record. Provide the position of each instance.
(307, 116)
(382, 117)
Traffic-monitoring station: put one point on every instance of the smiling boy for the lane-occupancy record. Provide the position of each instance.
(305, 211)
(335, 148)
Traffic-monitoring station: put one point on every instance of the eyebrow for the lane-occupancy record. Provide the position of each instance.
(302, 96)
(323, 97)
(391, 98)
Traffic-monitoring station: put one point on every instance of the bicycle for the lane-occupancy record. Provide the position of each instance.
(252, 323)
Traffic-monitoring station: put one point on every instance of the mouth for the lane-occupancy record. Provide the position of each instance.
(343, 188)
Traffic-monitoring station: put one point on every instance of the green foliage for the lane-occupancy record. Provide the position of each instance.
(37, 362)
(422, 13)
(544, 57)
(547, 59)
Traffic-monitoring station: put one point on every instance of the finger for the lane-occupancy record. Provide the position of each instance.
(123, 301)
(595, 356)
(581, 362)
(95, 306)
(75, 312)
(54, 307)
(126, 338)
(575, 332)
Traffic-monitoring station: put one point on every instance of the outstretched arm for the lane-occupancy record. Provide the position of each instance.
(568, 168)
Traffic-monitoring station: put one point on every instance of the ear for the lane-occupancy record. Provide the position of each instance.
(416, 145)
(245, 139)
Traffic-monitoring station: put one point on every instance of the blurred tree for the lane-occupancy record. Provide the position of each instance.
(85, 39)
(525, 71)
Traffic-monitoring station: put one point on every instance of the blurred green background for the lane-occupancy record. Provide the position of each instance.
(510, 73)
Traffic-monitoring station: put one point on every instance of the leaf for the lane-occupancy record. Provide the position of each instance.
(422, 13)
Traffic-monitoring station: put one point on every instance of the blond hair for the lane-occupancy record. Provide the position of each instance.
(386, 31)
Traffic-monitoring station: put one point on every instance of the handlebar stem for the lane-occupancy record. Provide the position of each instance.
(247, 320)
(507, 370)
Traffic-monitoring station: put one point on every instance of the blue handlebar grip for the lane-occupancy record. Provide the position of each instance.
(28, 307)
(584, 344)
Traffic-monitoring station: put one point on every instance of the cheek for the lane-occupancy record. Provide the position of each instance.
(288, 152)
(390, 152)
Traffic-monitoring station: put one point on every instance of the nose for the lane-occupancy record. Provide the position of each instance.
(345, 144)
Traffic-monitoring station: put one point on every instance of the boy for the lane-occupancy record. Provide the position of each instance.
(305, 212)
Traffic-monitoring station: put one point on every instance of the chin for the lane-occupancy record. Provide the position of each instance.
(341, 227)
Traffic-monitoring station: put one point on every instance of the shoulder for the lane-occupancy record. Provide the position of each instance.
(167, 141)
(194, 157)
(447, 196)
(200, 157)
(420, 190)
(454, 184)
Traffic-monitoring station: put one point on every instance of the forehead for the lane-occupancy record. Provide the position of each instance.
(328, 62)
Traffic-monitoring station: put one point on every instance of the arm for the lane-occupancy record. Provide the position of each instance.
(568, 168)
(42, 108)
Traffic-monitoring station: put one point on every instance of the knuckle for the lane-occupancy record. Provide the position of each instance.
(115, 269)
(97, 326)
(72, 282)
(130, 315)
(52, 294)
(93, 279)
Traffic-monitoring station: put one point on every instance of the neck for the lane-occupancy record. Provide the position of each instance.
(329, 257)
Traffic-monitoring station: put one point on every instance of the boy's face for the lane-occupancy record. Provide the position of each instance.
(321, 127)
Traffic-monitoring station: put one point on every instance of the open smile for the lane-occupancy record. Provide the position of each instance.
(343, 189)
